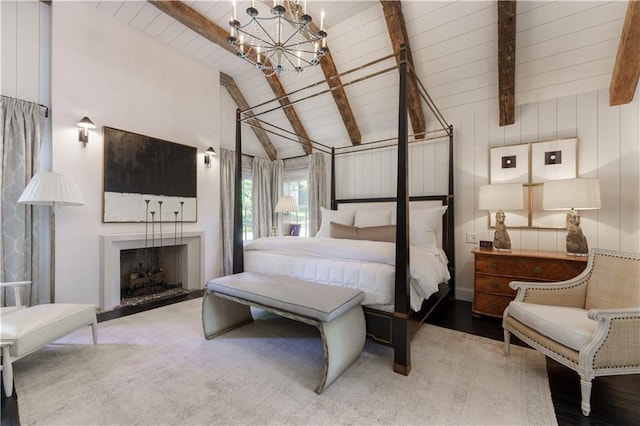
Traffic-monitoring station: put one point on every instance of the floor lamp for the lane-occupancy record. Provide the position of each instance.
(52, 189)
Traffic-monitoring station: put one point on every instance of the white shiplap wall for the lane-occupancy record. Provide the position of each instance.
(609, 149)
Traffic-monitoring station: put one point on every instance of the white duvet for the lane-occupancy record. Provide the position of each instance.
(367, 265)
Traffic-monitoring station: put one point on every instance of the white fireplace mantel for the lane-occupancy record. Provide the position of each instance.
(112, 244)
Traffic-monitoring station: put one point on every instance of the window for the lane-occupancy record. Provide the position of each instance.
(247, 211)
(296, 185)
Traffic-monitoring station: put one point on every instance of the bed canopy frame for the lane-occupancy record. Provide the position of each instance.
(394, 329)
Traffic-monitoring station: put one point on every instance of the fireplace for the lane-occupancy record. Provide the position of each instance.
(150, 272)
(177, 264)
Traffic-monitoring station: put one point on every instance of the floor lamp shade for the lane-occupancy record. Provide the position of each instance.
(499, 197)
(573, 195)
(51, 189)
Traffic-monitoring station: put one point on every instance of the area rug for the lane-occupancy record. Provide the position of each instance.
(156, 368)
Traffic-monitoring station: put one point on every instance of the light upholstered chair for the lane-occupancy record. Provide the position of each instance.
(590, 323)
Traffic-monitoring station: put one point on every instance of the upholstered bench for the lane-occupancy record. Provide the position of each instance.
(336, 311)
(26, 330)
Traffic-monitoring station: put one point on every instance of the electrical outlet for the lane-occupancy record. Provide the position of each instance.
(472, 238)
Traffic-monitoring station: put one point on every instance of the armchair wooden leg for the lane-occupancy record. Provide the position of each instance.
(507, 341)
(585, 387)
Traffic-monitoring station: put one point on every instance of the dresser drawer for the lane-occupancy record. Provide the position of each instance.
(494, 284)
(489, 304)
(546, 269)
(494, 265)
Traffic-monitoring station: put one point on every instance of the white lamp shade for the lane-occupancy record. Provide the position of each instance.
(579, 194)
(49, 188)
(507, 196)
(286, 204)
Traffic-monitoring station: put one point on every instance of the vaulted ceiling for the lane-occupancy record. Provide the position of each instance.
(559, 47)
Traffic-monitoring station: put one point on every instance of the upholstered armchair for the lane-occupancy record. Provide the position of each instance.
(590, 323)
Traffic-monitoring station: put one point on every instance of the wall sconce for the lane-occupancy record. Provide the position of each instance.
(83, 133)
(210, 152)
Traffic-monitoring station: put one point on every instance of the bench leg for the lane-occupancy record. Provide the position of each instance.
(343, 340)
(220, 315)
(7, 370)
(94, 332)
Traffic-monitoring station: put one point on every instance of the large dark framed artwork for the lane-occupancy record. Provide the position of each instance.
(148, 179)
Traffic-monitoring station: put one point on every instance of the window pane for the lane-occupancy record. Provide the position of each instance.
(299, 188)
(247, 211)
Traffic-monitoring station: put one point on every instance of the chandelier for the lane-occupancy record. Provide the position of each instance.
(278, 40)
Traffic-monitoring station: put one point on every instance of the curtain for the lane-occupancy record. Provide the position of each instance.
(20, 139)
(261, 198)
(277, 186)
(227, 185)
(317, 190)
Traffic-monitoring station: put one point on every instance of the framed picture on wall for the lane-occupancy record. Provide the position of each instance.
(510, 164)
(553, 160)
(148, 179)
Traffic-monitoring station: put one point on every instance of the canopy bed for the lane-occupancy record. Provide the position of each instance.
(393, 315)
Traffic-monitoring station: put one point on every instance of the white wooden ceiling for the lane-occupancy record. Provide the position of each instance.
(562, 47)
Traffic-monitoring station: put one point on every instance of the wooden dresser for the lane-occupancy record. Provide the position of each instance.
(494, 270)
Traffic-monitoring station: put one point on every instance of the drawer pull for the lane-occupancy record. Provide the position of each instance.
(494, 266)
(494, 305)
(537, 270)
(494, 284)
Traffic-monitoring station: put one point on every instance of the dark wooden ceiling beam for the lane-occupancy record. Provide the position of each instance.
(397, 29)
(506, 60)
(626, 71)
(234, 91)
(337, 91)
(212, 32)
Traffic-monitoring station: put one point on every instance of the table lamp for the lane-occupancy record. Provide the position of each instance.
(286, 205)
(52, 189)
(499, 197)
(572, 194)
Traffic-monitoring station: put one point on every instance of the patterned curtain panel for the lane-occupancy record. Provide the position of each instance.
(227, 179)
(317, 190)
(261, 198)
(20, 139)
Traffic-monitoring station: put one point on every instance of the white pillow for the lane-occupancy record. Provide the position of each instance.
(365, 218)
(337, 216)
(423, 224)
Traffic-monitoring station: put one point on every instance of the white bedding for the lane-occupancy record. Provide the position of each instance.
(367, 265)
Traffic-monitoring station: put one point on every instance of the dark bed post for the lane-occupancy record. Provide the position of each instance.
(334, 205)
(238, 249)
(450, 222)
(401, 338)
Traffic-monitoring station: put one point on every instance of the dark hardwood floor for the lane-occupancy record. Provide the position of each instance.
(615, 400)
